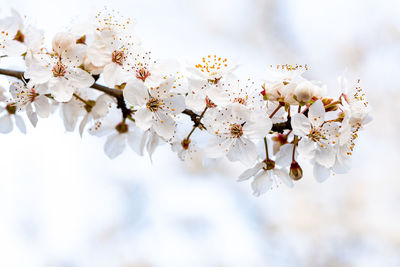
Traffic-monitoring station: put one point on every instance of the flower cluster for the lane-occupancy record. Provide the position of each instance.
(269, 126)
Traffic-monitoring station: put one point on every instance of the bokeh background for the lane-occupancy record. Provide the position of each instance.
(63, 203)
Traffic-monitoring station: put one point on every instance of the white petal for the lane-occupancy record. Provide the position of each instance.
(38, 74)
(300, 124)
(262, 183)
(115, 145)
(250, 172)
(316, 113)
(134, 139)
(164, 125)
(42, 106)
(6, 124)
(113, 74)
(152, 143)
(306, 147)
(162, 91)
(80, 78)
(342, 165)
(284, 156)
(32, 116)
(136, 93)
(101, 108)
(61, 90)
(83, 124)
(321, 173)
(284, 176)
(13, 48)
(325, 156)
(258, 128)
(143, 118)
(196, 101)
(20, 123)
(218, 147)
(218, 95)
(174, 104)
(243, 150)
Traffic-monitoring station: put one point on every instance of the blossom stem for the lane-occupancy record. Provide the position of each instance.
(333, 104)
(197, 123)
(80, 98)
(266, 147)
(296, 138)
(275, 111)
(277, 127)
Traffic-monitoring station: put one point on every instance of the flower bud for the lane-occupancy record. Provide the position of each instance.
(305, 91)
(63, 41)
(295, 171)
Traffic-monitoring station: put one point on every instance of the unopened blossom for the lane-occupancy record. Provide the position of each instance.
(304, 92)
(156, 107)
(234, 131)
(317, 136)
(282, 81)
(32, 99)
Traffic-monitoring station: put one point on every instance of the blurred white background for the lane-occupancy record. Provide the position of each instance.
(64, 204)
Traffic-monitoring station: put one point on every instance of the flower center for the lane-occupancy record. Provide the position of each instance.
(142, 74)
(236, 130)
(122, 127)
(153, 104)
(240, 101)
(19, 36)
(59, 69)
(316, 135)
(11, 108)
(117, 57)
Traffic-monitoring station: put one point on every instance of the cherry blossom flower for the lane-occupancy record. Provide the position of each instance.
(155, 107)
(60, 72)
(119, 134)
(18, 37)
(282, 81)
(318, 136)
(7, 115)
(234, 130)
(265, 177)
(113, 48)
(206, 75)
(32, 99)
(147, 102)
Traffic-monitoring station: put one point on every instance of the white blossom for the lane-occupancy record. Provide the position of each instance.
(60, 72)
(234, 131)
(156, 107)
(32, 99)
(317, 135)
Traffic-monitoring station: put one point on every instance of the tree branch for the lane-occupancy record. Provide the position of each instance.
(277, 127)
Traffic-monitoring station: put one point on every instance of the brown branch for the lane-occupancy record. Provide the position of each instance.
(277, 127)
